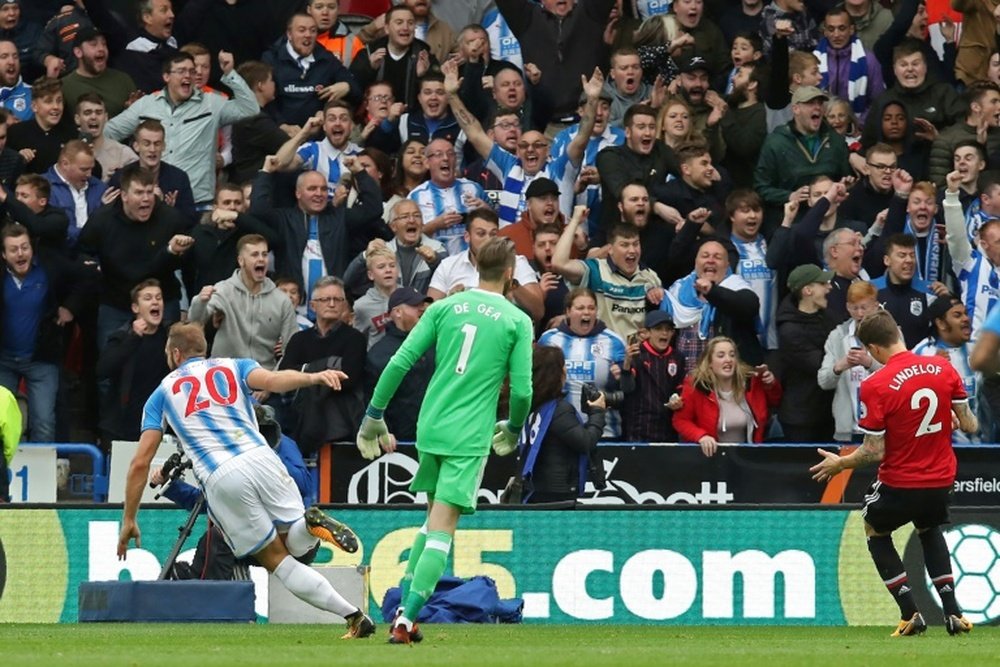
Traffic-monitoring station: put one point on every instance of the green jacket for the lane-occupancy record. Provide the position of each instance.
(785, 163)
(10, 424)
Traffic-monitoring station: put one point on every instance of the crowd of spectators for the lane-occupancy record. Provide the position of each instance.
(706, 197)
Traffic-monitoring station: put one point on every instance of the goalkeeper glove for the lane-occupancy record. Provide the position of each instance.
(504, 439)
(371, 435)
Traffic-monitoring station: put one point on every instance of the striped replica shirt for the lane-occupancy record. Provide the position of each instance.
(959, 358)
(753, 269)
(979, 279)
(503, 43)
(327, 160)
(507, 167)
(621, 300)
(588, 360)
(591, 196)
(435, 200)
(208, 405)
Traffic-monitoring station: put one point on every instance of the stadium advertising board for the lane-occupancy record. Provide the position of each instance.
(662, 475)
(768, 567)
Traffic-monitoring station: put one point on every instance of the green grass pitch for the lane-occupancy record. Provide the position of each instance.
(111, 645)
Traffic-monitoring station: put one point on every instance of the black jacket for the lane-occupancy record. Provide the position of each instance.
(129, 252)
(801, 337)
(318, 414)
(401, 413)
(339, 227)
(71, 286)
(563, 48)
(296, 99)
(864, 202)
(136, 52)
(213, 256)
(48, 227)
(403, 78)
(557, 468)
(134, 365)
(619, 165)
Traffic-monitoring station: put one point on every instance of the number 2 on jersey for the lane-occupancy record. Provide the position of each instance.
(194, 401)
(926, 425)
(469, 331)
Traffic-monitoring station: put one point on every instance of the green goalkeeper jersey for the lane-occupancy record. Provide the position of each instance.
(479, 337)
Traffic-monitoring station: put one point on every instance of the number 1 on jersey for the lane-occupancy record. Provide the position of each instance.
(469, 331)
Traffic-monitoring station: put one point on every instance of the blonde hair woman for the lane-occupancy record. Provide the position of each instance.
(724, 399)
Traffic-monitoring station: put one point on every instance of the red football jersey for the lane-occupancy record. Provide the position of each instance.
(909, 400)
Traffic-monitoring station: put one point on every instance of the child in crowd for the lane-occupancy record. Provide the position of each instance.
(651, 379)
(371, 311)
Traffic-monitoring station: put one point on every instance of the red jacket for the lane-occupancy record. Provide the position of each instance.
(700, 415)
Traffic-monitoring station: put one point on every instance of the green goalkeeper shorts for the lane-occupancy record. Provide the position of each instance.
(451, 479)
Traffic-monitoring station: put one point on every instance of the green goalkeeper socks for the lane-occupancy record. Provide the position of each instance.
(428, 572)
(411, 563)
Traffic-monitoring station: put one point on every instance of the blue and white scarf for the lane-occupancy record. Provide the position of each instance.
(687, 308)
(857, 84)
(929, 266)
(975, 218)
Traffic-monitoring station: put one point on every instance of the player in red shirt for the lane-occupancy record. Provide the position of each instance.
(908, 410)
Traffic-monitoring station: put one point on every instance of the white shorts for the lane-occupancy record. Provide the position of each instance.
(248, 496)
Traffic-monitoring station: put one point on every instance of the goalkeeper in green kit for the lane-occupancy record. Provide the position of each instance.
(480, 338)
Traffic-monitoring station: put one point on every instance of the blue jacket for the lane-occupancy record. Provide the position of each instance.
(17, 100)
(62, 198)
(296, 99)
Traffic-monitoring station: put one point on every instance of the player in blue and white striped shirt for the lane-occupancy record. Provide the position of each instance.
(532, 159)
(208, 404)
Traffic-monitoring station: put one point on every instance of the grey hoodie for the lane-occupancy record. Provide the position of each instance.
(371, 312)
(251, 324)
(620, 102)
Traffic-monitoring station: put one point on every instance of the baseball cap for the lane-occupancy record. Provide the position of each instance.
(941, 305)
(605, 95)
(85, 34)
(407, 296)
(807, 274)
(807, 94)
(541, 187)
(9, 2)
(658, 317)
(693, 63)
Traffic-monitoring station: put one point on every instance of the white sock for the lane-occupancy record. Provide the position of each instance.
(405, 622)
(299, 540)
(309, 585)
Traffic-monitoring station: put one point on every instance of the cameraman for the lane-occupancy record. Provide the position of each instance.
(556, 455)
(213, 558)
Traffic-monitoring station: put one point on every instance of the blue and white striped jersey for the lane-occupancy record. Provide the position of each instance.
(647, 8)
(435, 200)
(507, 167)
(208, 405)
(327, 160)
(503, 43)
(589, 359)
(753, 269)
(959, 358)
(591, 197)
(980, 283)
